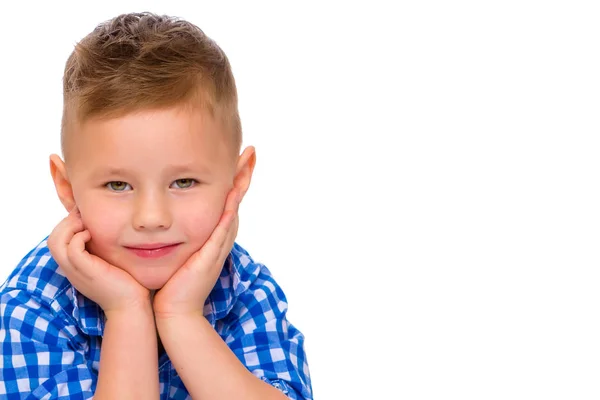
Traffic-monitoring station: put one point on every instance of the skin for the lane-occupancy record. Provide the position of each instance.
(154, 177)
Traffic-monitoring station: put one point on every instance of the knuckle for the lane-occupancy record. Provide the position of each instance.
(72, 248)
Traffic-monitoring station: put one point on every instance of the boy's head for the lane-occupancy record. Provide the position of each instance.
(145, 61)
(151, 140)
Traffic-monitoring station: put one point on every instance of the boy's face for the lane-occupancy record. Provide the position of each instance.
(151, 187)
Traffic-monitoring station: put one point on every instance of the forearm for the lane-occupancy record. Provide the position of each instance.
(128, 359)
(208, 368)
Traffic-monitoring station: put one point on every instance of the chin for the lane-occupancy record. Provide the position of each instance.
(152, 281)
(154, 287)
(152, 284)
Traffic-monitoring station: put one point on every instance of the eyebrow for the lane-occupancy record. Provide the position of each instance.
(185, 168)
(171, 170)
(109, 172)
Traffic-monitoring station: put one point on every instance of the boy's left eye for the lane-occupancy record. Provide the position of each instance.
(184, 183)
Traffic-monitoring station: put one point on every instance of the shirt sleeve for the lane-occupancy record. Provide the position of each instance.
(265, 342)
(41, 354)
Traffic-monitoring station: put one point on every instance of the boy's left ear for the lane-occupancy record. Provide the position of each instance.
(244, 170)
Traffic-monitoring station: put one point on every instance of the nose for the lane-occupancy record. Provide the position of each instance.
(152, 213)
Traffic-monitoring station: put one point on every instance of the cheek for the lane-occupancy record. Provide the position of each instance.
(199, 225)
(104, 224)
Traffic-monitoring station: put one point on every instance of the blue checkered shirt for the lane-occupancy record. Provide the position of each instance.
(50, 335)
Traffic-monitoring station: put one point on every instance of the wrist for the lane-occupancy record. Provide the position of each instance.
(166, 309)
(138, 310)
(177, 317)
(172, 324)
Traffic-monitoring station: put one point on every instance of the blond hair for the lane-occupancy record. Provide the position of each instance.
(144, 61)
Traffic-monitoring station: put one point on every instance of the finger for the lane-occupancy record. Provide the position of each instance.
(221, 231)
(71, 223)
(230, 217)
(81, 260)
(229, 240)
(61, 236)
(233, 200)
(211, 250)
(226, 243)
(219, 237)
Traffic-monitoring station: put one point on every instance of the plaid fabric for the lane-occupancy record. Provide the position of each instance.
(50, 335)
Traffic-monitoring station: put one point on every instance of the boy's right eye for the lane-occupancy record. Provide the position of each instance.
(118, 186)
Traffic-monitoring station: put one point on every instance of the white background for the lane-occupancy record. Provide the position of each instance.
(426, 191)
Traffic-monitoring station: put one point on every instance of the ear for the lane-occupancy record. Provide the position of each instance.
(61, 182)
(244, 170)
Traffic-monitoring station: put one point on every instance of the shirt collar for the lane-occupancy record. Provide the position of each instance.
(238, 272)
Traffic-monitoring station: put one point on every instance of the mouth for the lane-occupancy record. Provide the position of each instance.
(155, 250)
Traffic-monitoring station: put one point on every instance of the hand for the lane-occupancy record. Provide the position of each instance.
(110, 287)
(186, 291)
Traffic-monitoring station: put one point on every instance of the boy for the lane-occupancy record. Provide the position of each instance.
(143, 275)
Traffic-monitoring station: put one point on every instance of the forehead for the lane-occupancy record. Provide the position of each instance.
(150, 138)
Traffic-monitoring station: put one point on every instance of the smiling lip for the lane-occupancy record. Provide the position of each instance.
(155, 250)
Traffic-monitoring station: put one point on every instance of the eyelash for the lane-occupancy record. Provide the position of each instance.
(193, 182)
(109, 186)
